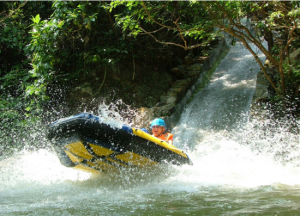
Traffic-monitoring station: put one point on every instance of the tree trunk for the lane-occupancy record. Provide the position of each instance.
(269, 38)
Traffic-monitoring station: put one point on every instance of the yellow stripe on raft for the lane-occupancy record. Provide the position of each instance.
(77, 160)
(78, 152)
(101, 164)
(160, 142)
(78, 148)
(100, 150)
(87, 169)
(73, 158)
(97, 164)
(105, 152)
(135, 159)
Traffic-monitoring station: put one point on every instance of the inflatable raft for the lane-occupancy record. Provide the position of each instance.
(82, 141)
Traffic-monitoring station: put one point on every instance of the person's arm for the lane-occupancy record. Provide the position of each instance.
(170, 139)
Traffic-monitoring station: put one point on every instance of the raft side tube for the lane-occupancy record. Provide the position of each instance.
(90, 128)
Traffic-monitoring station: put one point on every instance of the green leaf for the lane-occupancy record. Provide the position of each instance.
(6, 29)
(36, 19)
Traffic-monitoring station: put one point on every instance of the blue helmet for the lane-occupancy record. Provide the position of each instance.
(158, 122)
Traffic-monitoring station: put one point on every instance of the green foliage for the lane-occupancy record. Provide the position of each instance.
(71, 45)
(80, 37)
(14, 77)
(292, 74)
(186, 21)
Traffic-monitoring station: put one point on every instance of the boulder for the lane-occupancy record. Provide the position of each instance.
(178, 72)
(295, 55)
(165, 110)
(194, 74)
(172, 99)
(260, 97)
(195, 67)
(188, 60)
(202, 59)
(85, 88)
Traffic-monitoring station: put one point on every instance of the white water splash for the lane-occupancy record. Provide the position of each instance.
(41, 167)
(225, 148)
(116, 114)
(226, 162)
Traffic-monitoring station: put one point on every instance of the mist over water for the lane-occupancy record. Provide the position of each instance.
(239, 166)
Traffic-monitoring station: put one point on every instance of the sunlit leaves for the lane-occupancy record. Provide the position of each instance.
(71, 43)
(294, 13)
(184, 19)
(36, 19)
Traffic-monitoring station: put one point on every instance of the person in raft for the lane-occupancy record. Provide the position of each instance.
(158, 127)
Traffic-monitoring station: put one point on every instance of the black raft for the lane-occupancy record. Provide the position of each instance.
(82, 141)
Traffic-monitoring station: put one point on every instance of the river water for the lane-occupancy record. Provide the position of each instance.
(239, 167)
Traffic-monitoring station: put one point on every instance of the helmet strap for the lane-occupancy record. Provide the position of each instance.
(162, 132)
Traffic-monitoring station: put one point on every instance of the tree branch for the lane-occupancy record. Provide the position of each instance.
(150, 17)
(11, 13)
(181, 36)
(179, 45)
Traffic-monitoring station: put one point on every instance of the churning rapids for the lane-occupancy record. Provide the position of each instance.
(240, 167)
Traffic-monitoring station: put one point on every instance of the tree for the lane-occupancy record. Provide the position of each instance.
(196, 20)
(278, 17)
(184, 24)
(11, 12)
(14, 77)
(66, 47)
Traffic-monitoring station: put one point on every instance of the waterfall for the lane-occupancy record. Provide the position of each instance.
(224, 104)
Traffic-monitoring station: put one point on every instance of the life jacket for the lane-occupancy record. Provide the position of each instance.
(166, 137)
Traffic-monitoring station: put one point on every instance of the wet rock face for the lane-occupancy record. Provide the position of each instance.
(142, 90)
(295, 55)
(151, 88)
(168, 101)
(262, 93)
(152, 92)
(188, 60)
(195, 67)
(262, 86)
(85, 88)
